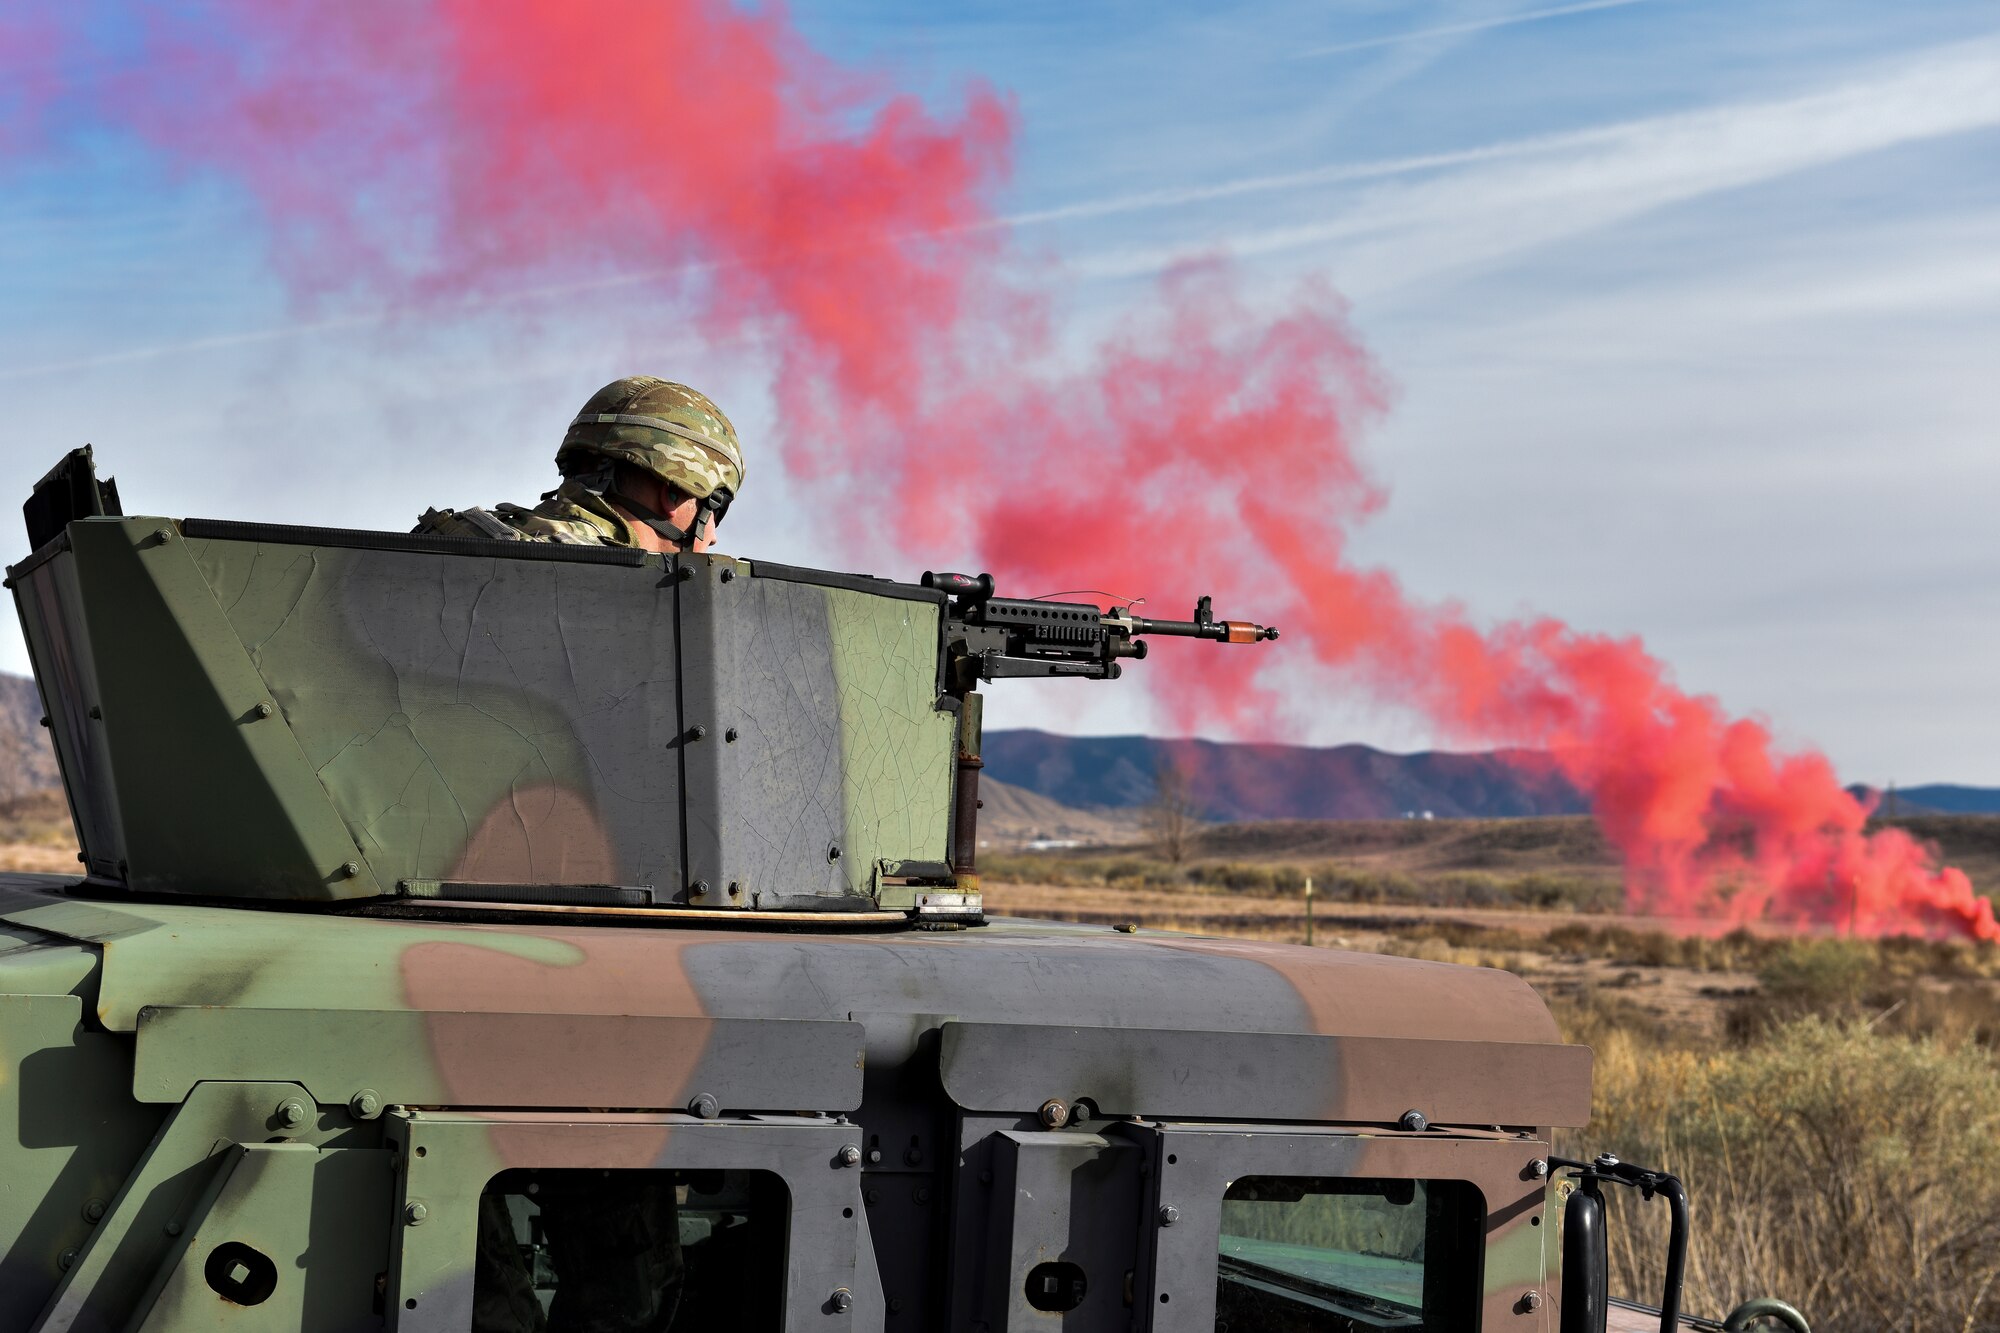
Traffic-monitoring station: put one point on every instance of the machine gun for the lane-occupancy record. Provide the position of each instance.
(999, 638)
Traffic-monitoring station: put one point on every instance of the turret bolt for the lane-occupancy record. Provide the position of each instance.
(292, 1113)
(94, 1211)
(730, 735)
(1055, 1113)
(842, 1300)
(1539, 1168)
(174, 1227)
(414, 1212)
(264, 708)
(706, 1106)
(850, 1154)
(365, 1104)
(68, 1258)
(1532, 1301)
(1414, 1121)
(1169, 1214)
(349, 869)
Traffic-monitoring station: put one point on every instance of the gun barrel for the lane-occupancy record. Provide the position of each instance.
(1222, 631)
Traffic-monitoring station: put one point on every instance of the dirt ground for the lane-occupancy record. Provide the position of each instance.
(37, 858)
(1676, 996)
(35, 834)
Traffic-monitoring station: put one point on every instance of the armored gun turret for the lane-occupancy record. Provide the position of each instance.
(482, 936)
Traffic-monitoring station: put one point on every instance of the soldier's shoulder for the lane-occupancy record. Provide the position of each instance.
(474, 522)
(551, 521)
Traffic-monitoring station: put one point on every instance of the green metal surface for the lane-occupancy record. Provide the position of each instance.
(305, 1208)
(69, 1133)
(168, 1191)
(188, 749)
(896, 746)
(418, 749)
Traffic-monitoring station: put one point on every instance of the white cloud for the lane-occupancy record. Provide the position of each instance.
(1518, 196)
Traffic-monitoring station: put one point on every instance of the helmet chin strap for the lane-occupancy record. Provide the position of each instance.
(709, 507)
(676, 535)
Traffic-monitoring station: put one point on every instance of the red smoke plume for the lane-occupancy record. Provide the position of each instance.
(1207, 446)
(28, 83)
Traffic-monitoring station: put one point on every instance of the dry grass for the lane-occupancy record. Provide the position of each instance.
(1550, 864)
(1335, 882)
(1853, 1171)
(1832, 1104)
(35, 834)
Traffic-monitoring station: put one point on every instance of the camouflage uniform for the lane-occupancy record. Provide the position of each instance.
(569, 513)
(664, 429)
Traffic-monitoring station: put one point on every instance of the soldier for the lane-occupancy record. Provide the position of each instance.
(646, 463)
(653, 465)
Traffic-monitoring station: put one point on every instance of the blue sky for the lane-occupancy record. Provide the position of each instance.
(1692, 310)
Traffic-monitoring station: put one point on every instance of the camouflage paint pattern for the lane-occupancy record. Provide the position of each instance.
(526, 1026)
(371, 720)
(332, 1085)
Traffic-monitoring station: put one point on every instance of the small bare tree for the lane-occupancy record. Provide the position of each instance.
(1170, 816)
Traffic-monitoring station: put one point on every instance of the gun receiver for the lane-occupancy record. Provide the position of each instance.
(998, 638)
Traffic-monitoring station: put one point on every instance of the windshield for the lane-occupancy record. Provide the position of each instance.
(1347, 1253)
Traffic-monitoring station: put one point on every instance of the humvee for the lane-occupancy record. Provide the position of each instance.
(487, 936)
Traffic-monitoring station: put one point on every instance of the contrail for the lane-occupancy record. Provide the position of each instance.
(360, 320)
(1473, 25)
(1173, 196)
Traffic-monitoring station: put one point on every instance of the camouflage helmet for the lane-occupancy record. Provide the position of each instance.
(666, 429)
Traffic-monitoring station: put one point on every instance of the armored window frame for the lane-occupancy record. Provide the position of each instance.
(446, 1160)
(1194, 1164)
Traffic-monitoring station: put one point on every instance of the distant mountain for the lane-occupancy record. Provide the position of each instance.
(27, 760)
(1236, 781)
(1937, 798)
(1012, 816)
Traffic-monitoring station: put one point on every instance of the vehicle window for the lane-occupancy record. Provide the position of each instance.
(1345, 1254)
(631, 1252)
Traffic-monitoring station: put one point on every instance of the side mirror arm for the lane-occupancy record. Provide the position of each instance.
(1592, 1285)
(1586, 1270)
